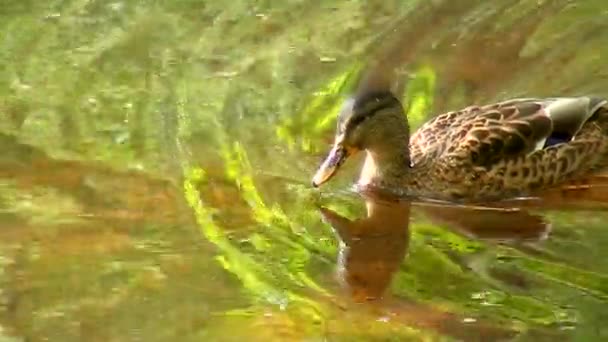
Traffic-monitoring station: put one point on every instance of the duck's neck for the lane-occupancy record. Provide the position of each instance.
(388, 161)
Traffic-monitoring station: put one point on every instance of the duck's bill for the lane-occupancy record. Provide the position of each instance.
(330, 166)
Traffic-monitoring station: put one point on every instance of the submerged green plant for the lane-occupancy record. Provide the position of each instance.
(233, 260)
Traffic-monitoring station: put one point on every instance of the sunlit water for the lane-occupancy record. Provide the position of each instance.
(156, 160)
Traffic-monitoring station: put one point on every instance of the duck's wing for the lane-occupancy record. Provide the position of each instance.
(429, 141)
(485, 135)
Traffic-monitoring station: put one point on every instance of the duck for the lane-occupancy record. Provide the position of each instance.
(482, 153)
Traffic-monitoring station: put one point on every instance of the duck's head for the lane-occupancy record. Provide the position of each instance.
(369, 122)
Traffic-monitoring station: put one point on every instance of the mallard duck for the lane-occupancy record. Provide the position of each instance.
(483, 153)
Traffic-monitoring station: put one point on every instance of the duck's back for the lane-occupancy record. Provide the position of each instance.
(513, 146)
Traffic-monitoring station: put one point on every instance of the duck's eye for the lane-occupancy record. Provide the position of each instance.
(357, 120)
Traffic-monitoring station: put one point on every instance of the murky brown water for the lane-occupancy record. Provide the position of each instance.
(156, 161)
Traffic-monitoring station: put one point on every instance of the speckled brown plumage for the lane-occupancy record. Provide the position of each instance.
(503, 150)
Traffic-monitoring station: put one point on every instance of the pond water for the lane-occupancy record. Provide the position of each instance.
(156, 159)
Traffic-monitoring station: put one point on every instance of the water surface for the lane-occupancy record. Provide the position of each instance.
(156, 163)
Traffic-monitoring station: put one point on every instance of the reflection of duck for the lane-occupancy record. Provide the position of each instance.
(489, 223)
(514, 226)
(508, 149)
(373, 248)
